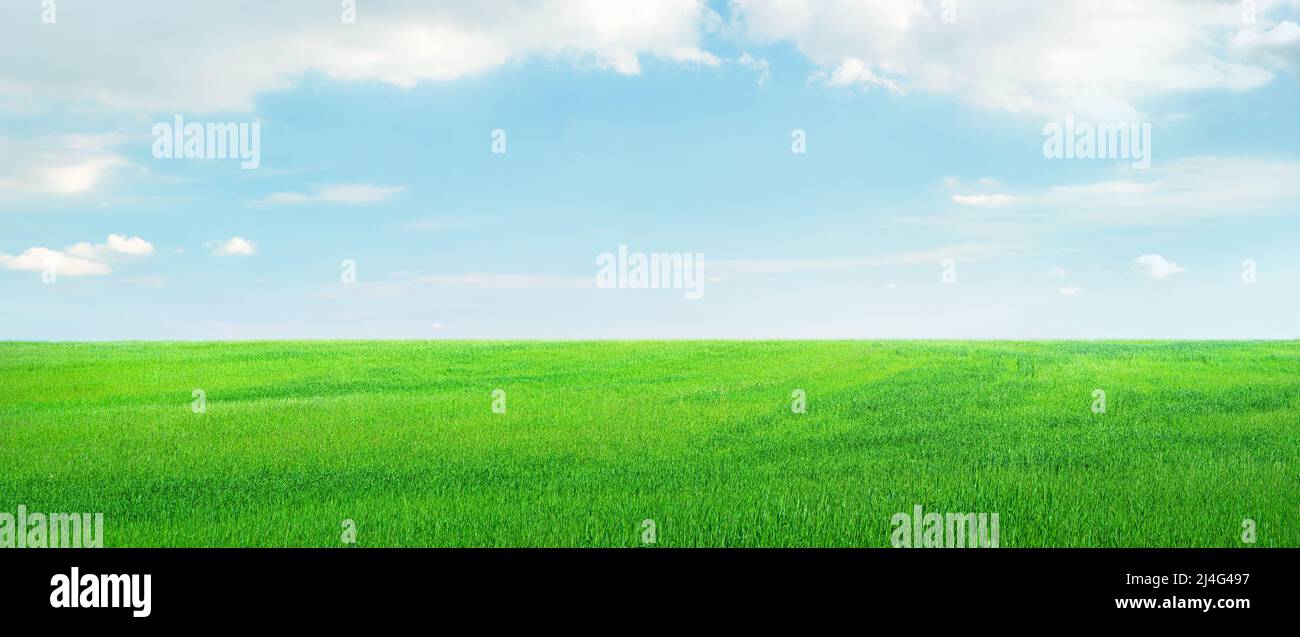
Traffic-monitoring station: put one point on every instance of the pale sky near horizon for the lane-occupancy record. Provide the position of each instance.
(663, 125)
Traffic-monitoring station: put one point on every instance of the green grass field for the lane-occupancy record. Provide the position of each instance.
(698, 436)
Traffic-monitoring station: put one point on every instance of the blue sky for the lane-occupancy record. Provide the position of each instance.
(667, 130)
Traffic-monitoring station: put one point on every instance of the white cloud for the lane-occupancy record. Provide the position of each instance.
(505, 281)
(115, 245)
(1095, 58)
(1055, 273)
(953, 182)
(212, 57)
(1070, 291)
(57, 165)
(986, 201)
(235, 247)
(79, 259)
(336, 194)
(429, 223)
(852, 71)
(1106, 189)
(1156, 266)
(133, 246)
(39, 259)
(1172, 192)
(1189, 188)
(964, 252)
(758, 65)
(1278, 47)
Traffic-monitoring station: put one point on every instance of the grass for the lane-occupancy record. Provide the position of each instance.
(698, 436)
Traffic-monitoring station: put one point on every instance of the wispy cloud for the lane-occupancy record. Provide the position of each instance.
(986, 201)
(1173, 192)
(963, 252)
(60, 165)
(757, 65)
(429, 223)
(505, 281)
(334, 194)
(1182, 190)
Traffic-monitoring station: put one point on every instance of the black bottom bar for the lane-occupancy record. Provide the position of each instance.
(238, 587)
